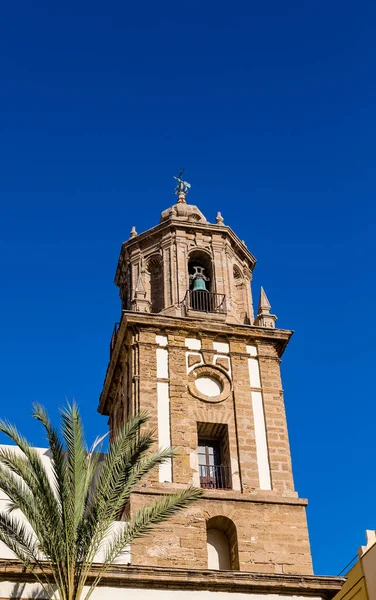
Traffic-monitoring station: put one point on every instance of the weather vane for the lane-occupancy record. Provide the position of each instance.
(182, 186)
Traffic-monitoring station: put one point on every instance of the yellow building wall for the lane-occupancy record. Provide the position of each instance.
(368, 561)
(355, 586)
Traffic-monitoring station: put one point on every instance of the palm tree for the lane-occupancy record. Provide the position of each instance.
(68, 517)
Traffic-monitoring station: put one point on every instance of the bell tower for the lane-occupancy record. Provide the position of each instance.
(187, 267)
(189, 350)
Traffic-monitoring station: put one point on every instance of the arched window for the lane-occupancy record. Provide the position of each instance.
(222, 544)
(154, 283)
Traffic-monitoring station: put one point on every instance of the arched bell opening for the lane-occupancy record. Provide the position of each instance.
(222, 544)
(201, 282)
(154, 283)
(200, 271)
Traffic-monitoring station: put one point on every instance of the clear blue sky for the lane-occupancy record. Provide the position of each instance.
(271, 108)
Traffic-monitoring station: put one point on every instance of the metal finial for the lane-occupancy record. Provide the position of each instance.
(182, 187)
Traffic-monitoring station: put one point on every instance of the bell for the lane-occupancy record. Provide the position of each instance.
(199, 285)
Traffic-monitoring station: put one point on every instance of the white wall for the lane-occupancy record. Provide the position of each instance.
(106, 593)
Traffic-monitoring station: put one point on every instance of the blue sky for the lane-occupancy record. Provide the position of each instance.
(271, 109)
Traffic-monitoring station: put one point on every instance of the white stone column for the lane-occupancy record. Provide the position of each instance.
(163, 402)
(262, 451)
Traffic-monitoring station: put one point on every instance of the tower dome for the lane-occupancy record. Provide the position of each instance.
(183, 212)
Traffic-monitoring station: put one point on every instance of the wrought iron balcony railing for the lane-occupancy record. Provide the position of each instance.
(203, 301)
(214, 477)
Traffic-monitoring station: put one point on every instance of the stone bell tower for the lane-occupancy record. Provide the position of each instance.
(190, 351)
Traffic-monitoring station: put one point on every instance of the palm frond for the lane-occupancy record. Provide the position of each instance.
(24, 541)
(151, 515)
(61, 546)
(120, 451)
(106, 502)
(18, 481)
(72, 431)
(70, 515)
(59, 459)
(34, 464)
(143, 522)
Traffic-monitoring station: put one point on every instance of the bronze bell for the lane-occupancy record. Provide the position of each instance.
(199, 285)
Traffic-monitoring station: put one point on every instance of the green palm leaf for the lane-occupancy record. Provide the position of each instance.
(69, 508)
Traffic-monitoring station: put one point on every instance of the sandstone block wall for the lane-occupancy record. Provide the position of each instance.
(272, 535)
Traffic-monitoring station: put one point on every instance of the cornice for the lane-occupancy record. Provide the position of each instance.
(159, 320)
(255, 496)
(122, 576)
(176, 224)
(278, 337)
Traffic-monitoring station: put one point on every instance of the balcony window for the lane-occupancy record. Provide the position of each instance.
(213, 458)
